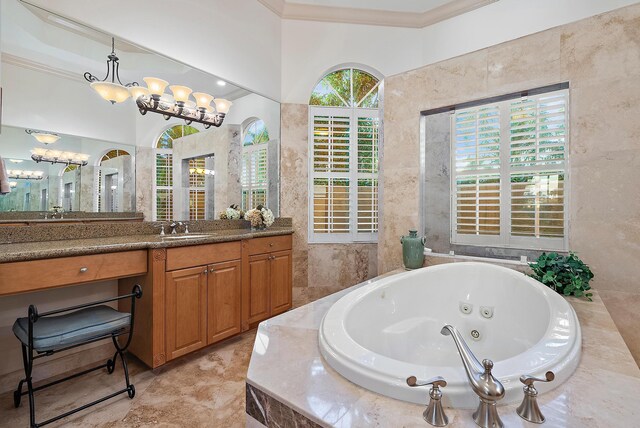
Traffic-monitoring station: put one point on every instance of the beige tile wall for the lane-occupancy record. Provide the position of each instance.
(600, 57)
(334, 266)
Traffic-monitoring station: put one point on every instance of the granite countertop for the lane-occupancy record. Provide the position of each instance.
(67, 220)
(12, 252)
(288, 379)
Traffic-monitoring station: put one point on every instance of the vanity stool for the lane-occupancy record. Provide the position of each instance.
(49, 332)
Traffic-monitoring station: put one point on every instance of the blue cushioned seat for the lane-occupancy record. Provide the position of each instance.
(52, 333)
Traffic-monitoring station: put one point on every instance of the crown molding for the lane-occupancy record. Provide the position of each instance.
(29, 64)
(345, 15)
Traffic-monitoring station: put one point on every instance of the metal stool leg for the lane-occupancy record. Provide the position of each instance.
(27, 359)
(131, 390)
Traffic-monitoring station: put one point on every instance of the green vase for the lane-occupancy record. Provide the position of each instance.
(412, 250)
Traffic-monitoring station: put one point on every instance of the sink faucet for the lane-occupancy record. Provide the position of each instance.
(484, 384)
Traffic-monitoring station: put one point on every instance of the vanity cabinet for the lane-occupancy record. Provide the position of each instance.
(267, 279)
(186, 311)
(202, 306)
(224, 301)
(198, 295)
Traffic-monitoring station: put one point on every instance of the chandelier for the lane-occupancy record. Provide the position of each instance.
(152, 98)
(25, 175)
(201, 171)
(110, 90)
(43, 137)
(57, 156)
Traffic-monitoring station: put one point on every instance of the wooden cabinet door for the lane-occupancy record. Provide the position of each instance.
(280, 281)
(186, 311)
(223, 301)
(258, 290)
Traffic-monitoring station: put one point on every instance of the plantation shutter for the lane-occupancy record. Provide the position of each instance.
(367, 173)
(254, 176)
(344, 174)
(476, 185)
(164, 185)
(538, 128)
(508, 172)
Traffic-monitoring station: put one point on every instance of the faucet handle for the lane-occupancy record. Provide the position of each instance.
(436, 382)
(434, 413)
(529, 409)
(528, 379)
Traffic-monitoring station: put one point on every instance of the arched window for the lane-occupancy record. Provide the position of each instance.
(348, 87)
(344, 124)
(163, 189)
(113, 154)
(254, 176)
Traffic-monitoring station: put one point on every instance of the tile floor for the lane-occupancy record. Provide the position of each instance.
(203, 389)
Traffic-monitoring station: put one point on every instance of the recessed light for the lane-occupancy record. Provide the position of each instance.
(221, 83)
(16, 160)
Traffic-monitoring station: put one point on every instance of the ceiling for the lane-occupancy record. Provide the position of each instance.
(394, 13)
(415, 6)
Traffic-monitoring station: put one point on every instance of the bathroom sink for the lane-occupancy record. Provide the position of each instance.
(189, 236)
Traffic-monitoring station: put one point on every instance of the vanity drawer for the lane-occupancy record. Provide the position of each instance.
(268, 244)
(20, 277)
(200, 255)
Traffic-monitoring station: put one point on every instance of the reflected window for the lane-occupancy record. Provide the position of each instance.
(254, 176)
(344, 124)
(107, 183)
(163, 168)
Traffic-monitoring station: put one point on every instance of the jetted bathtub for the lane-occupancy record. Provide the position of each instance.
(385, 331)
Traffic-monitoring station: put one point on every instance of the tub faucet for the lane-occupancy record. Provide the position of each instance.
(484, 384)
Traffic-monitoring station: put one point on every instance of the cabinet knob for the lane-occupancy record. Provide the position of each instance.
(271, 244)
(211, 270)
(205, 272)
(83, 269)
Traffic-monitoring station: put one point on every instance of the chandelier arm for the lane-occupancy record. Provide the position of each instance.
(116, 73)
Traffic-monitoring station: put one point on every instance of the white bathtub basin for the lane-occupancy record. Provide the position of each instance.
(383, 332)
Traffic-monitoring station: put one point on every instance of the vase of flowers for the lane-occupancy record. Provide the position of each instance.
(260, 217)
(232, 213)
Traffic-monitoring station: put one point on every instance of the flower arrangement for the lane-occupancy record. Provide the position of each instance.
(260, 216)
(232, 213)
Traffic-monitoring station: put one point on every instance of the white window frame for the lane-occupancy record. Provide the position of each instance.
(505, 239)
(353, 235)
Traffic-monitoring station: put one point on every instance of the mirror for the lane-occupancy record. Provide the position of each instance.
(167, 169)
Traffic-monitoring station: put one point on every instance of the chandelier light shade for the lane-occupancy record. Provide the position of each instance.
(25, 175)
(137, 91)
(155, 86)
(180, 93)
(13, 184)
(203, 101)
(39, 154)
(43, 137)
(180, 105)
(222, 105)
(113, 91)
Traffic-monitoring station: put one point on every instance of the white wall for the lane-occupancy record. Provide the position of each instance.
(238, 41)
(253, 105)
(309, 49)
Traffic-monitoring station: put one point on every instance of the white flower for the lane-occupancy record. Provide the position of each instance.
(267, 216)
(233, 214)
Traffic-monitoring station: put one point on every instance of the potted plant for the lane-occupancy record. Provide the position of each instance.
(567, 275)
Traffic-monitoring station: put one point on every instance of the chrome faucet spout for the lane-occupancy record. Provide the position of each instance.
(484, 384)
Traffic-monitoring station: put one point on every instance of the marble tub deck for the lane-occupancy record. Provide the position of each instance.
(290, 384)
